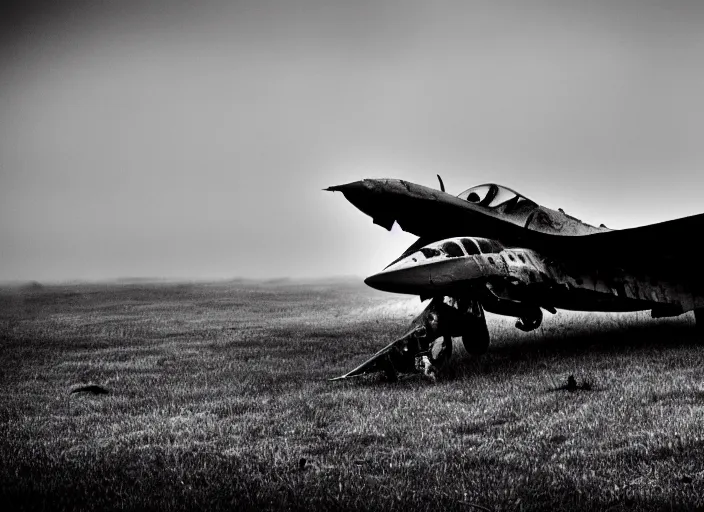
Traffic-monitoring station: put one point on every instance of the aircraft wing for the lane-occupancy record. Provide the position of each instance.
(435, 215)
(666, 247)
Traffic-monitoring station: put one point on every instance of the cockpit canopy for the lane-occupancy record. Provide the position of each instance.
(456, 247)
(492, 195)
(453, 247)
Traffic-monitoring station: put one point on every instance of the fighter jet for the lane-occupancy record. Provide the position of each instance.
(491, 248)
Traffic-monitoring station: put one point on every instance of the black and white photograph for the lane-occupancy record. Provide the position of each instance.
(352, 255)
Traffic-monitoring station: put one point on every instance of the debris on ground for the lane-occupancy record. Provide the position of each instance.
(571, 385)
(95, 390)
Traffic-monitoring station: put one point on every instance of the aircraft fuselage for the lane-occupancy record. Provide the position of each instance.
(521, 258)
(484, 269)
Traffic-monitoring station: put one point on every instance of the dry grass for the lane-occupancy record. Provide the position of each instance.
(217, 391)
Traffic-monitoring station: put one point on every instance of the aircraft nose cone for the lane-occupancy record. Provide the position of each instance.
(356, 187)
(413, 280)
(376, 281)
(370, 197)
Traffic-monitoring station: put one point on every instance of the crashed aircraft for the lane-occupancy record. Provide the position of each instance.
(491, 248)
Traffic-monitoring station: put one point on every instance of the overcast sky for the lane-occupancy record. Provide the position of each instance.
(175, 139)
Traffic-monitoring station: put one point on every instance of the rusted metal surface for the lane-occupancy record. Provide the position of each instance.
(514, 282)
(433, 215)
(521, 259)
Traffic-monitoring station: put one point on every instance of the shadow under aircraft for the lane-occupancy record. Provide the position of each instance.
(491, 248)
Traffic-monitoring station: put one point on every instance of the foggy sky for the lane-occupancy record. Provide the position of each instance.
(165, 139)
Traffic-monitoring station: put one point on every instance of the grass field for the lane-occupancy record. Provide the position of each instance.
(218, 392)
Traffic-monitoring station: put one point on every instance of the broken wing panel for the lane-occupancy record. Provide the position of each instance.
(377, 363)
(394, 356)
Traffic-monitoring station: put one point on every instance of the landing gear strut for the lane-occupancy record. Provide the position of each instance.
(475, 334)
(427, 345)
(444, 318)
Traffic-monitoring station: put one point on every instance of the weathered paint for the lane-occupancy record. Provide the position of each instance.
(548, 260)
(563, 287)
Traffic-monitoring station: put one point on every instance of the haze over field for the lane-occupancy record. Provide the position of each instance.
(193, 140)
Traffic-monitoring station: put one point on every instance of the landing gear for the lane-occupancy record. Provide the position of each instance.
(434, 339)
(427, 368)
(439, 352)
(445, 318)
(475, 334)
(530, 320)
(427, 345)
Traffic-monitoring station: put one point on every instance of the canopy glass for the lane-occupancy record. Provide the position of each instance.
(492, 195)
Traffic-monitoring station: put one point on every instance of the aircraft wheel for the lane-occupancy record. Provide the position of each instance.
(531, 321)
(476, 334)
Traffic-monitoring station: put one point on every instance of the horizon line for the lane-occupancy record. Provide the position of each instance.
(18, 283)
